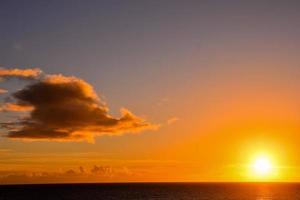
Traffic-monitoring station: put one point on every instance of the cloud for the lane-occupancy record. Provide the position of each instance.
(95, 174)
(12, 107)
(66, 108)
(172, 120)
(3, 91)
(5, 150)
(20, 73)
(103, 170)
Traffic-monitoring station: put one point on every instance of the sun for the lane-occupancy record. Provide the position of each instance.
(262, 167)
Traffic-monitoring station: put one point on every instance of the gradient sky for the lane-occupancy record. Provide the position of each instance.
(220, 77)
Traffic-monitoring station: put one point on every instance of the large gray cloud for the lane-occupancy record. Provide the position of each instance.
(65, 108)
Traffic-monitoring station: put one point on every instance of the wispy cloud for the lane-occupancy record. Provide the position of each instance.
(20, 73)
(172, 120)
(3, 91)
(5, 150)
(12, 107)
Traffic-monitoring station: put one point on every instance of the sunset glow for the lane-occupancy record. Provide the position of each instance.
(149, 91)
(263, 168)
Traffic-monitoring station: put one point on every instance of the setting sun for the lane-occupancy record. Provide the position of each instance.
(262, 167)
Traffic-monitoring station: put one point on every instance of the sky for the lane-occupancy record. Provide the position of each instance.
(117, 91)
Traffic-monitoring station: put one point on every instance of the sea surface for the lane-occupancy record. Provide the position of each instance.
(147, 191)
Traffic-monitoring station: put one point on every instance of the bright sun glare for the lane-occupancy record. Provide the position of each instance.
(262, 167)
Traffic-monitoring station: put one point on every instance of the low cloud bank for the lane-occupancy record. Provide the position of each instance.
(94, 174)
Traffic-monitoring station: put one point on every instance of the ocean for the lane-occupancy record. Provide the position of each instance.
(155, 191)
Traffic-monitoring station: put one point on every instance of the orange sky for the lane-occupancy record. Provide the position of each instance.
(214, 141)
(149, 91)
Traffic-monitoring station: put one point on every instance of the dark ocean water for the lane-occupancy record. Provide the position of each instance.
(165, 191)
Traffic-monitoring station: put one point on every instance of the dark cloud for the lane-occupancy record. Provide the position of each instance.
(67, 108)
(103, 170)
